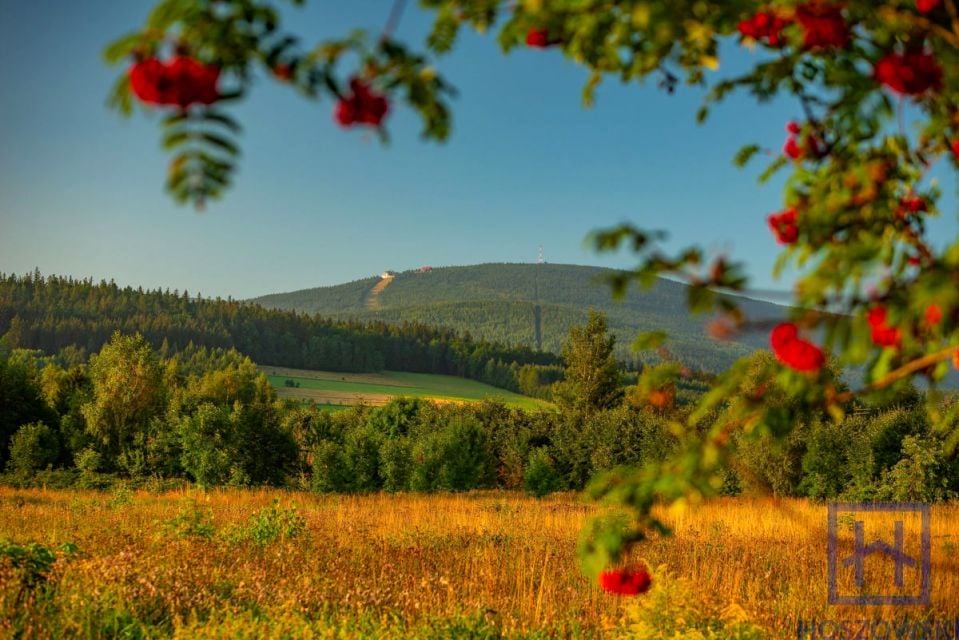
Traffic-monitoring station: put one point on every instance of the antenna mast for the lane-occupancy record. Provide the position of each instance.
(540, 259)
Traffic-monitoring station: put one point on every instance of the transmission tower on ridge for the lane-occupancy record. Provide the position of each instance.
(537, 308)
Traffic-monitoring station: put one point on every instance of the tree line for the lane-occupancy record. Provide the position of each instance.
(55, 313)
(210, 417)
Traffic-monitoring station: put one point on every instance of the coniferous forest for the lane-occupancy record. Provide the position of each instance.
(55, 314)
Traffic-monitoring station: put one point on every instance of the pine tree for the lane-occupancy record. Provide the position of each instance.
(593, 381)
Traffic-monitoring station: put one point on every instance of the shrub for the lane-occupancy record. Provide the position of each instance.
(540, 478)
(458, 458)
(88, 461)
(330, 470)
(33, 447)
(273, 523)
(917, 476)
(396, 464)
(192, 522)
(675, 608)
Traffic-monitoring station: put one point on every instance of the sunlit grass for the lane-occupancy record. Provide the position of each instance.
(399, 565)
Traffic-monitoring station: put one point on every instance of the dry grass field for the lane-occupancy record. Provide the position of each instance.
(227, 564)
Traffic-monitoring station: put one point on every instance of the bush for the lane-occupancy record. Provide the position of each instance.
(331, 472)
(88, 461)
(676, 608)
(273, 523)
(396, 464)
(540, 478)
(192, 522)
(361, 451)
(33, 447)
(458, 458)
(918, 476)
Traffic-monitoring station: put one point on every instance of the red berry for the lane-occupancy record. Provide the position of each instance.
(925, 6)
(626, 582)
(911, 73)
(933, 315)
(882, 334)
(823, 25)
(764, 26)
(794, 352)
(792, 148)
(362, 106)
(182, 81)
(913, 204)
(793, 127)
(784, 227)
(538, 38)
(146, 80)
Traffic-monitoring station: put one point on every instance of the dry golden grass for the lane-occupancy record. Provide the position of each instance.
(380, 565)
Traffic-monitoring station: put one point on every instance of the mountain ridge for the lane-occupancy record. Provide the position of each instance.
(509, 302)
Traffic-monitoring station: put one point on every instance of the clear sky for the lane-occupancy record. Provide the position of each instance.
(81, 189)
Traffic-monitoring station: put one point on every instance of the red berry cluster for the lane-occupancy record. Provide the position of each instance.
(182, 81)
(626, 582)
(362, 106)
(784, 227)
(882, 334)
(765, 26)
(823, 26)
(911, 73)
(539, 38)
(793, 148)
(793, 351)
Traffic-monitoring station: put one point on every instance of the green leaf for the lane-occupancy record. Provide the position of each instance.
(220, 142)
(122, 48)
(744, 155)
(175, 138)
(222, 119)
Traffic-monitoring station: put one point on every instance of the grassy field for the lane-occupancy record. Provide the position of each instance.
(340, 389)
(226, 564)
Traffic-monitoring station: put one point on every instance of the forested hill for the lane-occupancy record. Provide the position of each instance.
(53, 313)
(499, 302)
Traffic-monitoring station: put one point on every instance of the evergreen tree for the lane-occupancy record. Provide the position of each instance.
(593, 380)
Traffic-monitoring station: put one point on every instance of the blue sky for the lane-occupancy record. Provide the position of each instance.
(81, 189)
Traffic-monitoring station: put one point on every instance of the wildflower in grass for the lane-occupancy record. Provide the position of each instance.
(793, 351)
(626, 582)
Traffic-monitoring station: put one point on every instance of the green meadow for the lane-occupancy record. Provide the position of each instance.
(336, 390)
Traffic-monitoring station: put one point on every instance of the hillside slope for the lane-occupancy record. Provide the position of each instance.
(499, 302)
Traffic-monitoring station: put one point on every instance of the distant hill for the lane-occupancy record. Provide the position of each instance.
(498, 302)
